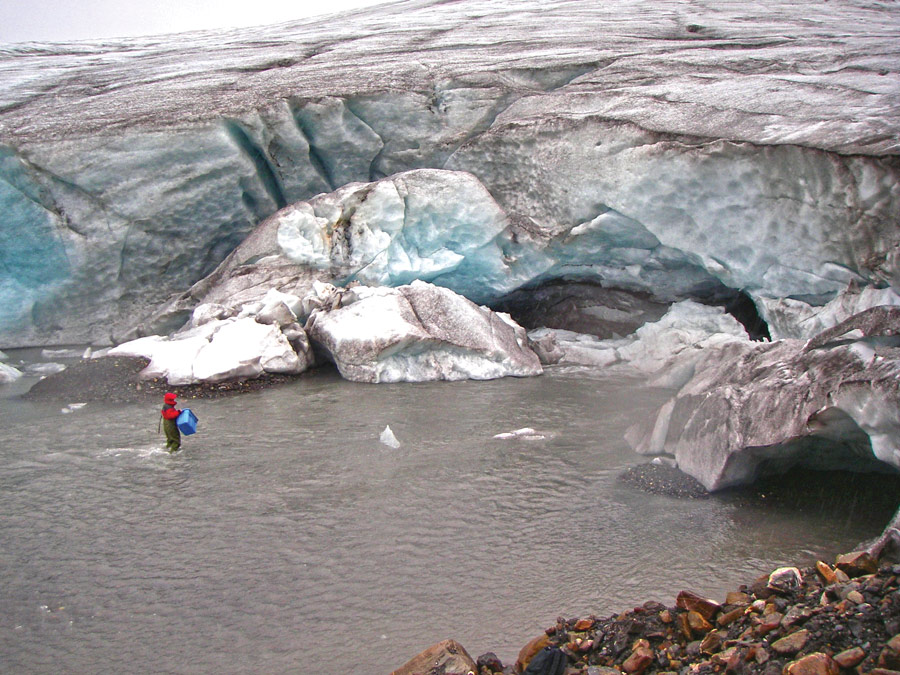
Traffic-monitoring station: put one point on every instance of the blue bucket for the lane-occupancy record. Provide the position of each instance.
(186, 422)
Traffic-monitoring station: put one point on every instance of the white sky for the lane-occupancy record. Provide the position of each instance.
(63, 20)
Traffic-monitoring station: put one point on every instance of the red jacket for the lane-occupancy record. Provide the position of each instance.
(170, 412)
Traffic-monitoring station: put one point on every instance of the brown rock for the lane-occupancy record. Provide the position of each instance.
(769, 622)
(791, 644)
(684, 627)
(894, 643)
(889, 658)
(528, 651)
(666, 616)
(795, 614)
(445, 658)
(883, 671)
(825, 571)
(850, 658)
(694, 603)
(737, 598)
(711, 643)
(857, 563)
(730, 617)
(584, 624)
(840, 577)
(812, 664)
(698, 622)
(856, 597)
(639, 661)
(761, 654)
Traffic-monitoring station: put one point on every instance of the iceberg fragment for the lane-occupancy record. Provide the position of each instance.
(388, 438)
(417, 333)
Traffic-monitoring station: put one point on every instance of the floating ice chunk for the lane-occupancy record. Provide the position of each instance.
(72, 407)
(387, 437)
(8, 374)
(44, 369)
(526, 433)
(61, 353)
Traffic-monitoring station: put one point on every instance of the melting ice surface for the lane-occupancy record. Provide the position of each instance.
(286, 527)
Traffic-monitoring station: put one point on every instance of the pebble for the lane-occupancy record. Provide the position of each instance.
(850, 658)
(791, 644)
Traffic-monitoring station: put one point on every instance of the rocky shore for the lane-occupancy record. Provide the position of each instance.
(821, 620)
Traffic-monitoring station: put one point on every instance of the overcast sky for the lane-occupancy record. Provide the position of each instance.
(62, 20)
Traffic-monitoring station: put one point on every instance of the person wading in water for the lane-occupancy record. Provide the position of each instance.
(169, 415)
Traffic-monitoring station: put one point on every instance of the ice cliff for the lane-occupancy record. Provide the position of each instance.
(668, 151)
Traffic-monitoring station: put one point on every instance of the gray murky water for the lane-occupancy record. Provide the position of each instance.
(286, 538)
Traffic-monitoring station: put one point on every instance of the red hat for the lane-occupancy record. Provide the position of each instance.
(170, 398)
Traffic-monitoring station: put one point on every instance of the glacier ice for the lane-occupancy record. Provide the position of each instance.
(412, 333)
(416, 333)
(684, 154)
(750, 408)
(9, 374)
(217, 350)
(388, 438)
(665, 350)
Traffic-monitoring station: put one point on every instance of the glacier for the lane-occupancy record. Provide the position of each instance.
(676, 151)
(626, 180)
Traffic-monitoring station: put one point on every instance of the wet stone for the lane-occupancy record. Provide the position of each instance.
(857, 563)
(850, 658)
(813, 664)
(791, 644)
(693, 602)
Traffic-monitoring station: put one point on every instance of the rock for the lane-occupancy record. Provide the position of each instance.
(791, 644)
(529, 650)
(889, 658)
(489, 663)
(639, 660)
(417, 333)
(728, 618)
(691, 601)
(850, 658)
(584, 624)
(770, 622)
(712, 643)
(445, 658)
(813, 664)
(857, 563)
(697, 622)
(855, 597)
(785, 580)
(894, 643)
(825, 571)
(796, 614)
(737, 598)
